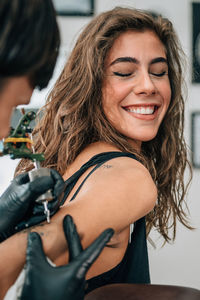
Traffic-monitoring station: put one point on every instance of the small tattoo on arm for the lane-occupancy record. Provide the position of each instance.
(31, 229)
(106, 166)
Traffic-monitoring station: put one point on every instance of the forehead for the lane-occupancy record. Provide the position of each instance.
(145, 44)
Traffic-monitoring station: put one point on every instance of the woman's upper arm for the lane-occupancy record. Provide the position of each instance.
(115, 195)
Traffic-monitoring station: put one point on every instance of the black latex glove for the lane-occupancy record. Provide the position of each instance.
(18, 206)
(42, 281)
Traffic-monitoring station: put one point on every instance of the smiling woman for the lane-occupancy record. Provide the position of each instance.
(113, 127)
(136, 88)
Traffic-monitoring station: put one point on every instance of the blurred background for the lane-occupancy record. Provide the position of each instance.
(177, 263)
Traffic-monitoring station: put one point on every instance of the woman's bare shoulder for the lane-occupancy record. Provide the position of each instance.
(122, 189)
(125, 169)
(131, 175)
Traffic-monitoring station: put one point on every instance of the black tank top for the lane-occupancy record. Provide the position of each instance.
(134, 267)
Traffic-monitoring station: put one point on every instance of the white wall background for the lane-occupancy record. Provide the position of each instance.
(179, 263)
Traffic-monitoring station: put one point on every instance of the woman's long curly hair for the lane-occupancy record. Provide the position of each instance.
(73, 116)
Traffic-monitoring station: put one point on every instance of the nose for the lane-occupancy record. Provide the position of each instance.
(144, 85)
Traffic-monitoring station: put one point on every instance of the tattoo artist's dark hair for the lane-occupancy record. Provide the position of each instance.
(29, 40)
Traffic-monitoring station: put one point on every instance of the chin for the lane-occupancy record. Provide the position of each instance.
(148, 139)
(144, 137)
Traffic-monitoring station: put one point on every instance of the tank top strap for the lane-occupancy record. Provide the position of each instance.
(96, 161)
(80, 186)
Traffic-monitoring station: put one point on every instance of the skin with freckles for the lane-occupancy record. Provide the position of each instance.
(136, 88)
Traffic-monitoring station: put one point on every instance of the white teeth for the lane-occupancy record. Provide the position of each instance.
(142, 110)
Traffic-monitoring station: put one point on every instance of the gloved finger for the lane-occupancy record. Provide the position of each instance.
(30, 222)
(59, 182)
(22, 178)
(89, 255)
(73, 240)
(40, 185)
(34, 253)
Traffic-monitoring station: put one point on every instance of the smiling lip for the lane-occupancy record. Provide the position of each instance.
(143, 111)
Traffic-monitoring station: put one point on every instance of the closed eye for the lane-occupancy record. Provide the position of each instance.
(122, 74)
(159, 74)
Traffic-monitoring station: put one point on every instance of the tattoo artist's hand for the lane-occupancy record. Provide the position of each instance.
(18, 208)
(65, 282)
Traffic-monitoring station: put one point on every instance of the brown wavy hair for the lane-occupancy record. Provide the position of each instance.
(73, 116)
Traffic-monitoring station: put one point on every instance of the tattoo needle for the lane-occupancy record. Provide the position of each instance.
(44, 202)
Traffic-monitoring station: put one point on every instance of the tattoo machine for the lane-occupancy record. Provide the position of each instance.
(19, 144)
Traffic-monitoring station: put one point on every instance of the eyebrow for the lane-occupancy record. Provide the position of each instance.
(158, 60)
(136, 61)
